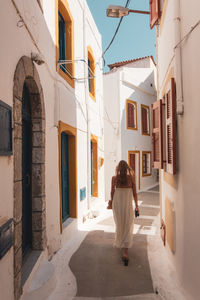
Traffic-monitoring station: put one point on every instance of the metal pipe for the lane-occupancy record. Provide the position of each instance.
(139, 11)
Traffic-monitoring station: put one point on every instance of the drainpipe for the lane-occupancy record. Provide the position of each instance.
(178, 58)
(87, 113)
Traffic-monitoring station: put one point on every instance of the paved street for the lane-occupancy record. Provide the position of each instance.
(89, 267)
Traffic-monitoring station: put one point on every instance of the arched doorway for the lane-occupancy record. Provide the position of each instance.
(29, 165)
(26, 171)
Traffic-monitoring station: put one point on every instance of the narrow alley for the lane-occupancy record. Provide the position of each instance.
(88, 267)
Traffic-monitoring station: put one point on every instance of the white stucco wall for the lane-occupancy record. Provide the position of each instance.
(183, 189)
(61, 103)
(136, 82)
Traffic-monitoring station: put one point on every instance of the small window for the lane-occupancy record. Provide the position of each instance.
(131, 114)
(65, 42)
(5, 129)
(91, 73)
(62, 41)
(145, 119)
(146, 163)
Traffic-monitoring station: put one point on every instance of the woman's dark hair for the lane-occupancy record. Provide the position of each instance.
(122, 172)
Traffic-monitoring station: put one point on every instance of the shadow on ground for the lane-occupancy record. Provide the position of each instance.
(100, 272)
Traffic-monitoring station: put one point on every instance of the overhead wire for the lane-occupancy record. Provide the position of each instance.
(116, 31)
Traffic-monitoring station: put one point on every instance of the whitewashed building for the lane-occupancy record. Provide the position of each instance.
(51, 130)
(176, 134)
(129, 91)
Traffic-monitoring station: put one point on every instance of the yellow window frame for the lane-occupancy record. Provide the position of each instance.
(63, 7)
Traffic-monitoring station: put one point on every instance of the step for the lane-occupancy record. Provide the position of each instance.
(132, 297)
(42, 284)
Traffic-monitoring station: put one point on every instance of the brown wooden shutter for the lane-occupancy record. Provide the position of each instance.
(157, 135)
(171, 128)
(132, 161)
(144, 121)
(144, 163)
(154, 12)
(131, 119)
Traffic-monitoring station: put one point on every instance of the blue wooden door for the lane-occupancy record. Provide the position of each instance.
(91, 151)
(26, 171)
(65, 175)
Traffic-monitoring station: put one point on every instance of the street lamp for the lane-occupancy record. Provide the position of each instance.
(116, 11)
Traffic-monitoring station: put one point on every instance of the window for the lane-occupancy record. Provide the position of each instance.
(91, 73)
(164, 130)
(131, 114)
(145, 120)
(65, 41)
(154, 12)
(146, 163)
(5, 129)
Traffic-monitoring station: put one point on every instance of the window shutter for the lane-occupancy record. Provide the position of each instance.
(132, 161)
(171, 128)
(144, 163)
(131, 121)
(157, 133)
(154, 12)
(144, 120)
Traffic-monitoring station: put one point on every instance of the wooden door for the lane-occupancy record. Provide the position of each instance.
(26, 172)
(65, 175)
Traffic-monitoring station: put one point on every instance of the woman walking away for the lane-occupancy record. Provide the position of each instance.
(123, 189)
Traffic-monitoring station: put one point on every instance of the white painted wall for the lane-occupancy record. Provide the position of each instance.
(61, 103)
(184, 193)
(132, 82)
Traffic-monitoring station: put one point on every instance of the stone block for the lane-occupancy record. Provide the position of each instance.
(36, 107)
(17, 111)
(17, 159)
(38, 139)
(39, 241)
(28, 66)
(38, 180)
(38, 204)
(38, 124)
(17, 131)
(18, 261)
(19, 78)
(17, 236)
(38, 220)
(17, 201)
(38, 155)
(18, 285)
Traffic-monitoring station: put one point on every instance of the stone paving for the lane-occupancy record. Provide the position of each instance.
(88, 267)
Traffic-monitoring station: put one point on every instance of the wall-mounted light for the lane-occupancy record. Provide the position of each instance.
(38, 58)
(116, 11)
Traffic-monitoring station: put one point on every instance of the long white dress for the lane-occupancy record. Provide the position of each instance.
(123, 216)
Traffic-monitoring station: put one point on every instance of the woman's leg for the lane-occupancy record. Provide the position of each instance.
(126, 252)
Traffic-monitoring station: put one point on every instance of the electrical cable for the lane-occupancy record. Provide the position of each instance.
(116, 31)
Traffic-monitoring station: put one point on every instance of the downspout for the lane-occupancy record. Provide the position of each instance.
(87, 113)
(178, 58)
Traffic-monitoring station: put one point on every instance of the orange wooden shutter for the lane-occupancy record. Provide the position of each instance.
(154, 12)
(171, 128)
(144, 120)
(131, 121)
(157, 135)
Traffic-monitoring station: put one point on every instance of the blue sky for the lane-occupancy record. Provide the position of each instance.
(134, 38)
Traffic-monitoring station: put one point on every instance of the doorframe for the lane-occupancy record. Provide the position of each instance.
(26, 71)
(73, 205)
(135, 152)
(94, 140)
